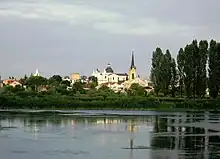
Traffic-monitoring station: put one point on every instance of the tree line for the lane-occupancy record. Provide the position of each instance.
(55, 85)
(195, 70)
(61, 94)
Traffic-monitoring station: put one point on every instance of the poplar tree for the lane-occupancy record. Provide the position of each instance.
(156, 77)
(166, 72)
(201, 82)
(195, 67)
(218, 64)
(180, 63)
(188, 70)
(174, 77)
(213, 80)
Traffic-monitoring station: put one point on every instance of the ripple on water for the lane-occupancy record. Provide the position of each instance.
(7, 127)
(19, 151)
(66, 152)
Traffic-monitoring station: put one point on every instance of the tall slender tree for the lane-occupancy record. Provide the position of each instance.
(174, 77)
(180, 62)
(166, 72)
(201, 76)
(188, 70)
(218, 64)
(213, 81)
(156, 70)
(195, 66)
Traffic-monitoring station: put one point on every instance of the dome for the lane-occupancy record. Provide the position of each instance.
(109, 69)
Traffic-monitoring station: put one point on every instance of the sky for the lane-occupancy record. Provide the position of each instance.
(65, 36)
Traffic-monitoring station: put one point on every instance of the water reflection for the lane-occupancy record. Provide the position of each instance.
(185, 135)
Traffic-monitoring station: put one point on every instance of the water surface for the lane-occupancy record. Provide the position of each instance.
(109, 134)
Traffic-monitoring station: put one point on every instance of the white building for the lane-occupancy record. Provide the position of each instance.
(36, 73)
(108, 76)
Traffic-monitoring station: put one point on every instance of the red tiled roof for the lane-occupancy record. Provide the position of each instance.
(10, 81)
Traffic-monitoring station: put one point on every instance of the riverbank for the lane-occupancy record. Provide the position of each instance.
(93, 113)
(50, 102)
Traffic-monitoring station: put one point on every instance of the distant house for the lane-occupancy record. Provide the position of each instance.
(11, 82)
(75, 77)
(8, 81)
(15, 83)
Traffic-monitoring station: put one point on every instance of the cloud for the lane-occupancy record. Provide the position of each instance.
(146, 26)
(100, 19)
(75, 14)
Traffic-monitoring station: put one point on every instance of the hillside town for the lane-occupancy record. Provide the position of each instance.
(116, 81)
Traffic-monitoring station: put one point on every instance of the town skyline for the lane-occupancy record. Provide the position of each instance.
(56, 36)
(40, 73)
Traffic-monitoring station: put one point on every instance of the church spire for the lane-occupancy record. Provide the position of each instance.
(132, 71)
(132, 61)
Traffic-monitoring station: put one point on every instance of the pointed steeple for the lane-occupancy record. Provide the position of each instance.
(37, 73)
(132, 61)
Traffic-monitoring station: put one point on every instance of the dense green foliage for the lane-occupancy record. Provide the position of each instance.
(188, 77)
(43, 93)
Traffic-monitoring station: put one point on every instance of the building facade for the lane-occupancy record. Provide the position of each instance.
(75, 77)
(108, 76)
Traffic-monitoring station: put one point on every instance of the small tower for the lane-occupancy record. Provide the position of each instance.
(37, 73)
(132, 71)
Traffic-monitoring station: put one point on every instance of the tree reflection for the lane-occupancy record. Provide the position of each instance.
(187, 141)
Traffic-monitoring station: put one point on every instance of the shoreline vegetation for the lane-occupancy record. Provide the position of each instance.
(51, 102)
(178, 83)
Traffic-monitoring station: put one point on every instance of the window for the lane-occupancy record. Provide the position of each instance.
(105, 77)
(113, 78)
(132, 75)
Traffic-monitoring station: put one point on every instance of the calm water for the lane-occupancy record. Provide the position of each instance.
(107, 134)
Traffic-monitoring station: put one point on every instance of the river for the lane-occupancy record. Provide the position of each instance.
(109, 134)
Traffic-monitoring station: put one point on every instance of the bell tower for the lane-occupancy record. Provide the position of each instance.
(132, 71)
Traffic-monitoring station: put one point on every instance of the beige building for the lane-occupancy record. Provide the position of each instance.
(75, 77)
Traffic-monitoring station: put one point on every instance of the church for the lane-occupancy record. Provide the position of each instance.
(120, 81)
(109, 76)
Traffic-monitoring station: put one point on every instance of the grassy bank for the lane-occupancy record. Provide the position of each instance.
(104, 102)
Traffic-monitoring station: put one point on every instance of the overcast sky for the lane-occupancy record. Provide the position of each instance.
(65, 36)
